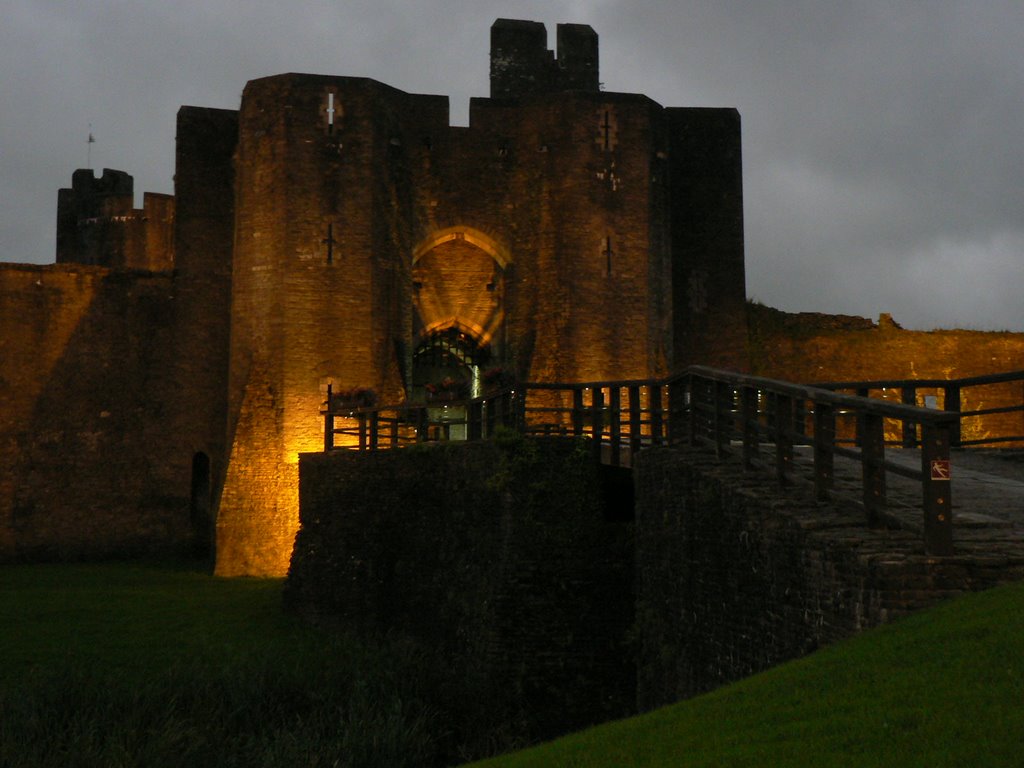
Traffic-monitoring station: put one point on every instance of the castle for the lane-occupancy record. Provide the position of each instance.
(161, 379)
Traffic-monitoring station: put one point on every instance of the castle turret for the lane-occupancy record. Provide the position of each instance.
(96, 223)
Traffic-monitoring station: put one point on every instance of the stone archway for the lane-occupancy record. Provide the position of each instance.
(459, 308)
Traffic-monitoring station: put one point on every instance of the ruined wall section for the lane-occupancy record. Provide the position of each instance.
(709, 285)
(521, 62)
(82, 388)
(810, 348)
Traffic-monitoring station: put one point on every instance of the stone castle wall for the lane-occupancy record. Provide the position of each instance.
(810, 348)
(357, 206)
(324, 231)
(87, 466)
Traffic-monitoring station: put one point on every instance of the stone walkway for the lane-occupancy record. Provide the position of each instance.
(987, 492)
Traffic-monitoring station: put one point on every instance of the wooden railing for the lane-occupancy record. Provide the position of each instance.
(396, 426)
(990, 408)
(732, 413)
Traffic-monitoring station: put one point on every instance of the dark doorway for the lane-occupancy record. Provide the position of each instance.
(448, 360)
(200, 505)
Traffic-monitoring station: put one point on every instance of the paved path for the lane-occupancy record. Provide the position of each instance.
(987, 492)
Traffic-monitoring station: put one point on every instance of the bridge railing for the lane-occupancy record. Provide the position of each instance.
(620, 417)
(727, 411)
(990, 408)
(371, 428)
(730, 411)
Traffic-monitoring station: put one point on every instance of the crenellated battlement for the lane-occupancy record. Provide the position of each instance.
(522, 64)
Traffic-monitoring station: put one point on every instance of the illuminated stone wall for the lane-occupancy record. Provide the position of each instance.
(812, 347)
(321, 233)
(546, 230)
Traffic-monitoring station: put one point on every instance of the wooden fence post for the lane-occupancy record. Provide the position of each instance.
(783, 438)
(909, 397)
(657, 420)
(475, 420)
(597, 420)
(329, 423)
(951, 402)
(635, 426)
(872, 454)
(615, 425)
(577, 411)
(422, 425)
(824, 444)
(748, 426)
(678, 390)
(722, 397)
(937, 488)
(374, 419)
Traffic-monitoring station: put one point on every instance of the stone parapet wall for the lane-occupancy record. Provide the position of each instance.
(499, 556)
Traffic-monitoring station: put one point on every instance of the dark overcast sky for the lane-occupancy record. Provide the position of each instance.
(883, 166)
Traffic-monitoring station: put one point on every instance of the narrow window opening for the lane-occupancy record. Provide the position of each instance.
(330, 242)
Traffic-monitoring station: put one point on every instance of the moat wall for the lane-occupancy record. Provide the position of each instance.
(502, 557)
(509, 561)
(734, 577)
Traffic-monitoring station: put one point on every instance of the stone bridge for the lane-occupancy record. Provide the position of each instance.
(731, 524)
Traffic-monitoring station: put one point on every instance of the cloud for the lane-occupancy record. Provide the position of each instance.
(881, 141)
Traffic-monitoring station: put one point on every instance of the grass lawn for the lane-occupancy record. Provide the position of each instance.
(944, 687)
(132, 665)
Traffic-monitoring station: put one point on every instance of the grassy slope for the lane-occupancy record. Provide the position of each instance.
(944, 687)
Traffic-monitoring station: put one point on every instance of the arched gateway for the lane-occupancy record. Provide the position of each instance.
(459, 311)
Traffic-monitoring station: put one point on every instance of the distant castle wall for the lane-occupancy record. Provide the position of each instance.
(811, 347)
(89, 465)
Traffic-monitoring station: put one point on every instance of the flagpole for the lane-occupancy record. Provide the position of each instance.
(88, 149)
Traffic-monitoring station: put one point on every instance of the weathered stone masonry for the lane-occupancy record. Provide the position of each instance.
(333, 229)
(734, 576)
